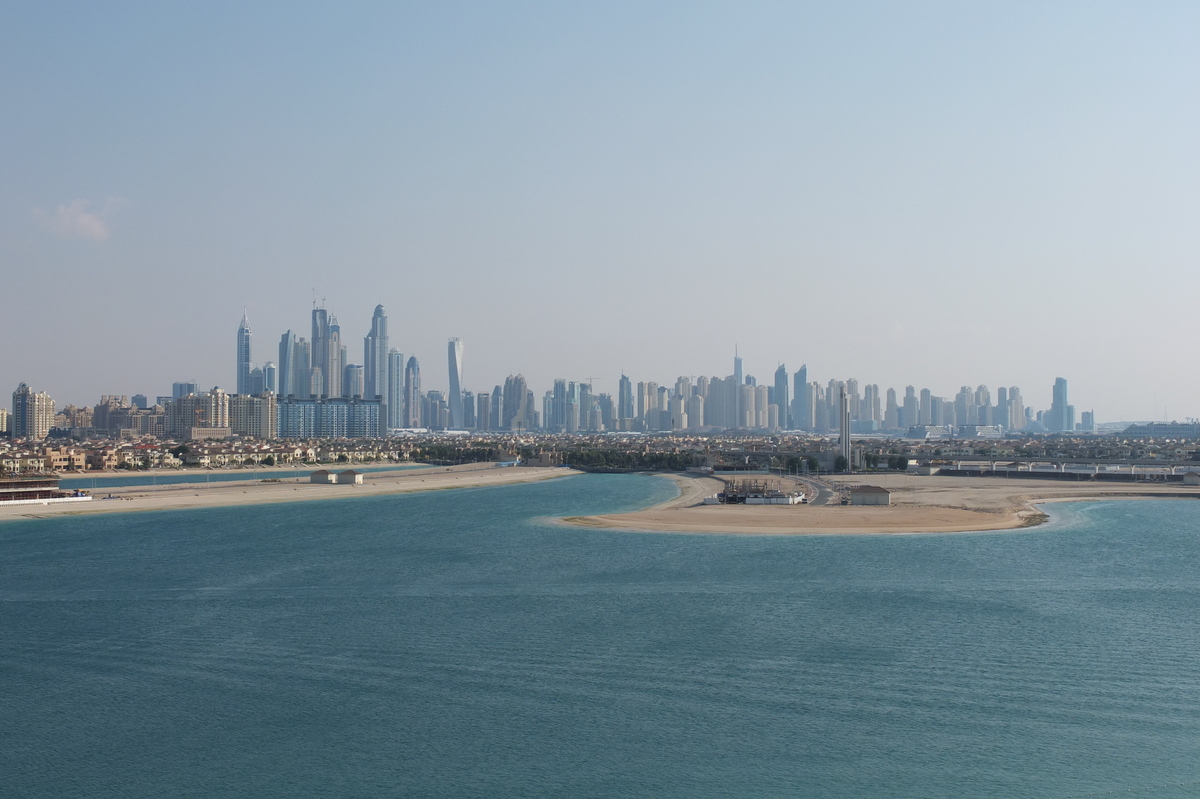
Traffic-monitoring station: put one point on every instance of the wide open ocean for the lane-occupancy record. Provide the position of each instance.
(454, 644)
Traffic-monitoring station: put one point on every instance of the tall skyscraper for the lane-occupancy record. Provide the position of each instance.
(286, 374)
(454, 356)
(802, 406)
(497, 409)
(1016, 409)
(516, 404)
(375, 358)
(871, 403)
(781, 397)
(352, 380)
(483, 413)
(327, 355)
(1062, 414)
(412, 393)
(319, 348)
(395, 380)
(738, 406)
(337, 358)
(32, 413)
(244, 355)
(844, 428)
(624, 400)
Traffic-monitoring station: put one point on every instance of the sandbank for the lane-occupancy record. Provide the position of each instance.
(920, 504)
(178, 496)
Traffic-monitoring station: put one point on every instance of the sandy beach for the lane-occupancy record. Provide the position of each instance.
(920, 504)
(291, 489)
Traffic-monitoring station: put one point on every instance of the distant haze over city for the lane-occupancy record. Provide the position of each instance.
(912, 194)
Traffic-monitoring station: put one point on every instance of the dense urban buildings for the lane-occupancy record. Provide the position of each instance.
(314, 391)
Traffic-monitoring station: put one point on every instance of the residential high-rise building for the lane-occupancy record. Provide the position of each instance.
(517, 405)
(412, 393)
(352, 381)
(891, 412)
(468, 403)
(195, 412)
(483, 412)
(1062, 415)
(871, 404)
(183, 389)
(287, 371)
(337, 358)
(257, 383)
(497, 420)
(375, 359)
(319, 344)
(376, 367)
(781, 397)
(844, 428)
(1016, 409)
(624, 401)
(394, 406)
(244, 356)
(255, 416)
(329, 418)
(270, 377)
(910, 412)
(802, 406)
(32, 413)
(454, 356)
(327, 355)
(302, 377)
(738, 406)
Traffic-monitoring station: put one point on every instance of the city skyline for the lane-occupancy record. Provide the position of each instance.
(794, 402)
(939, 196)
(695, 402)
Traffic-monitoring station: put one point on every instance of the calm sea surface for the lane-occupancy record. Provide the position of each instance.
(454, 644)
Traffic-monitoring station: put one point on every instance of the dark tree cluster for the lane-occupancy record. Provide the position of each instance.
(619, 460)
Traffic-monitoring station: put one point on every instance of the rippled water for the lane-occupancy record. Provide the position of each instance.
(455, 644)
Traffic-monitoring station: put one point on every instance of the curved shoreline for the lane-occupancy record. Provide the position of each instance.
(920, 505)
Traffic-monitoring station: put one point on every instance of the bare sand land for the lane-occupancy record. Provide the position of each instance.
(254, 492)
(919, 505)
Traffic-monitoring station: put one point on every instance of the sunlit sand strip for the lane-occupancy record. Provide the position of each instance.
(256, 492)
(920, 504)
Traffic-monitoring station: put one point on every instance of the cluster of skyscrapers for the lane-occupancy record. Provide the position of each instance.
(313, 390)
(319, 390)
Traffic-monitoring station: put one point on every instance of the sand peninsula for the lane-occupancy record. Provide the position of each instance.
(255, 490)
(920, 504)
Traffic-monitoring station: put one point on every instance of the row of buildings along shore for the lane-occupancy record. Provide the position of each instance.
(621, 452)
(313, 391)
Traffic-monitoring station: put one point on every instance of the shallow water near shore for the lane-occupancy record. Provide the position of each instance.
(454, 644)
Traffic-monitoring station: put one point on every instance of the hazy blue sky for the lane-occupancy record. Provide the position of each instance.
(929, 193)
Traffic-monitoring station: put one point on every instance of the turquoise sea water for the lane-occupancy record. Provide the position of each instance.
(454, 644)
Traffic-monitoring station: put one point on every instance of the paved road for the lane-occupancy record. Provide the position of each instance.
(825, 494)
